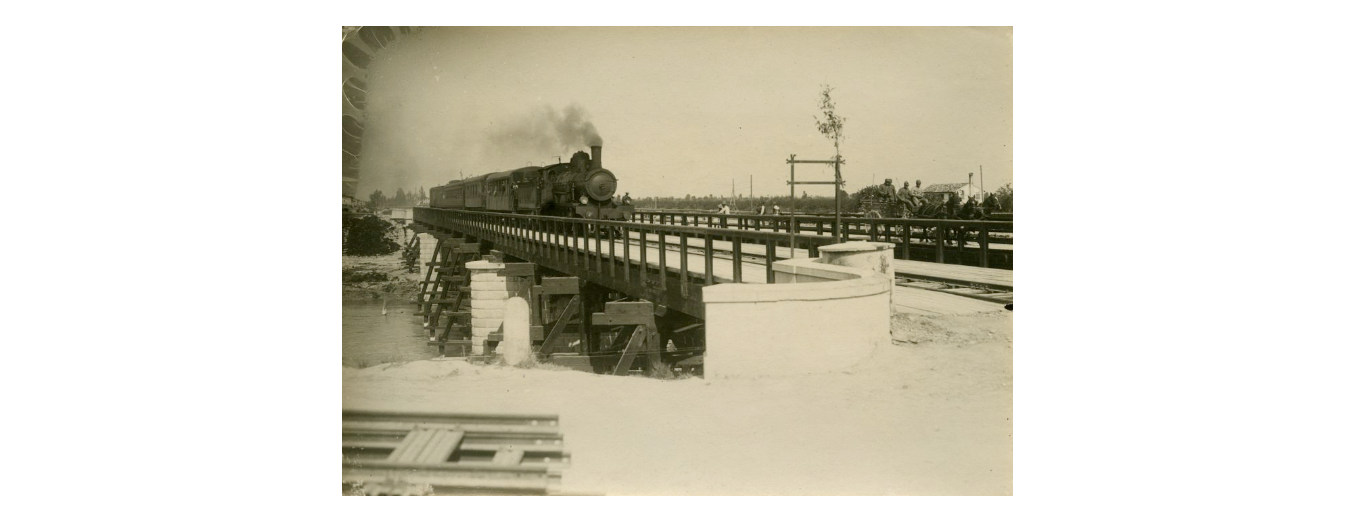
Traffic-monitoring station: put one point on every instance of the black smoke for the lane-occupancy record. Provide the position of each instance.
(546, 131)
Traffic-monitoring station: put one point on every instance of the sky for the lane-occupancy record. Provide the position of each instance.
(691, 110)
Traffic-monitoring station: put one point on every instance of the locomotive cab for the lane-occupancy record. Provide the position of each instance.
(526, 187)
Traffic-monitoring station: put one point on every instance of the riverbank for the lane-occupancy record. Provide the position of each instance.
(377, 277)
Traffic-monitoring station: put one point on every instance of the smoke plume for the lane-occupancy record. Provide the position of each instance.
(546, 131)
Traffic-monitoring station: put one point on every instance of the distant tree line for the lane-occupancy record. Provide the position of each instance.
(378, 200)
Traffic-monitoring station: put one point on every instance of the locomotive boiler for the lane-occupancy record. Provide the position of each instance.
(578, 188)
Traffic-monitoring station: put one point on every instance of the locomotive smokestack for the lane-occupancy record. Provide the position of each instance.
(597, 156)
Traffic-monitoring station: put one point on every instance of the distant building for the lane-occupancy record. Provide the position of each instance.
(351, 205)
(942, 192)
(402, 214)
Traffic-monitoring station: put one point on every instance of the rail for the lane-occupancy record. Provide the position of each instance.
(886, 229)
(588, 248)
(414, 453)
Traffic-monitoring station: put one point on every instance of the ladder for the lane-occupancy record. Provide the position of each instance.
(445, 290)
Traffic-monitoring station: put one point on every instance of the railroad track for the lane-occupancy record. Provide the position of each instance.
(970, 290)
(403, 453)
(975, 291)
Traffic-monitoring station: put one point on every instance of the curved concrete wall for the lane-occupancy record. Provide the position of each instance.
(817, 318)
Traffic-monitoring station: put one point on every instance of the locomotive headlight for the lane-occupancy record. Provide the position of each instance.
(583, 199)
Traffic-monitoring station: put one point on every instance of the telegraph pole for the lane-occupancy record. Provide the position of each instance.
(981, 187)
(837, 195)
(836, 163)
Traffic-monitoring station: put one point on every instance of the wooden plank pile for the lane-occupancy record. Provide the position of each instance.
(406, 453)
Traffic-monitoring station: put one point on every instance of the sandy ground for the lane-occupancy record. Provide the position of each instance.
(929, 415)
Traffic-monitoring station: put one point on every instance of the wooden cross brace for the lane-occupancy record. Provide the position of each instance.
(553, 286)
(644, 336)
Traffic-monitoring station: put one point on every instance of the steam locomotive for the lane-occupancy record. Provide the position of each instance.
(579, 188)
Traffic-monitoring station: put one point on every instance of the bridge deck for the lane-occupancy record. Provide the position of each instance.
(897, 239)
(920, 243)
(956, 274)
(926, 302)
(754, 271)
(949, 273)
(578, 249)
(782, 252)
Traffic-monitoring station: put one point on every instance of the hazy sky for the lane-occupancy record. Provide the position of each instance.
(687, 110)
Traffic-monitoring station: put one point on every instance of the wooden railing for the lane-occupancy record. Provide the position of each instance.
(901, 231)
(588, 248)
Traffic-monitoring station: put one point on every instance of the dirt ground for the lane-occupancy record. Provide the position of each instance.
(929, 415)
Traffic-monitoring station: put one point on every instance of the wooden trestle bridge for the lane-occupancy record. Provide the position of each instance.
(607, 294)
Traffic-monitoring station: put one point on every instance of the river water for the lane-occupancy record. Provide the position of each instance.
(370, 338)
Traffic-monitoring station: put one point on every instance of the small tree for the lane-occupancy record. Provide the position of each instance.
(831, 127)
(1005, 197)
(831, 124)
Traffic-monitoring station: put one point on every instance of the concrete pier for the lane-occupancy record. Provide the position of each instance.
(823, 314)
(488, 296)
(427, 244)
(516, 345)
(870, 256)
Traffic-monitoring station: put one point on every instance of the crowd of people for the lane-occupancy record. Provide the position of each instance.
(910, 200)
(725, 209)
(950, 208)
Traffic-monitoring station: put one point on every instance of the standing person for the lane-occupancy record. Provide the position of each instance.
(761, 209)
(775, 209)
(626, 199)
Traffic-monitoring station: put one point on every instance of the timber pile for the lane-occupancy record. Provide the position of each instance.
(402, 453)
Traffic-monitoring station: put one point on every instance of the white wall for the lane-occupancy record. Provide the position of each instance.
(817, 318)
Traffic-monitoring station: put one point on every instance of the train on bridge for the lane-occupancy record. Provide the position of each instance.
(610, 296)
(579, 188)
